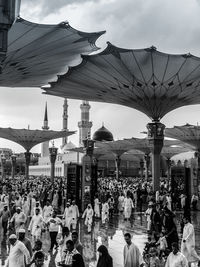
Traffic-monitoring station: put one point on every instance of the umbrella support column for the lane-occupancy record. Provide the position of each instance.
(147, 162)
(118, 161)
(27, 160)
(156, 138)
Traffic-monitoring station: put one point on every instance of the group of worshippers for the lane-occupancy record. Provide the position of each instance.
(21, 253)
(163, 238)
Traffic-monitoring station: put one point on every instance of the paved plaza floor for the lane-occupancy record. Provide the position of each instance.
(110, 235)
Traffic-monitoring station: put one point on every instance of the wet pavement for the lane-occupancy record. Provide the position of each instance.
(110, 235)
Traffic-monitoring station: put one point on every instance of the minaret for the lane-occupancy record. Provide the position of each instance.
(45, 127)
(84, 125)
(65, 121)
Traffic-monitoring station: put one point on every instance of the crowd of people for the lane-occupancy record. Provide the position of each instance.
(43, 208)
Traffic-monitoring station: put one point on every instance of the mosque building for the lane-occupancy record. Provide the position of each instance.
(106, 163)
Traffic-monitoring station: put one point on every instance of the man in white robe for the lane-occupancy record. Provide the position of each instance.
(131, 253)
(47, 211)
(19, 219)
(188, 242)
(105, 212)
(75, 215)
(176, 258)
(67, 216)
(19, 255)
(36, 225)
(128, 206)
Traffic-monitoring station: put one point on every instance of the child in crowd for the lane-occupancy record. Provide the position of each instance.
(162, 243)
(154, 261)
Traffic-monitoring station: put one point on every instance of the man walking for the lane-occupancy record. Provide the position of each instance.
(54, 223)
(19, 219)
(176, 258)
(19, 255)
(75, 215)
(188, 242)
(132, 255)
(5, 215)
(25, 240)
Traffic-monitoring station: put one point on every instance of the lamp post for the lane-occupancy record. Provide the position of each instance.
(53, 154)
(89, 177)
(27, 163)
(9, 10)
(13, 161)
(156, 138)
(3, 162)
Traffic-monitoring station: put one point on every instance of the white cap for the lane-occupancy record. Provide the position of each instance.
(13, 236)
(22, 231)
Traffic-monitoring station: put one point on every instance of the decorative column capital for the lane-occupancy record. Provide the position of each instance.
(155, 130)
(155, 136)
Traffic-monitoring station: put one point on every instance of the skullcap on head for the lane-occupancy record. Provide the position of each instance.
(22, 231)
(13, 236)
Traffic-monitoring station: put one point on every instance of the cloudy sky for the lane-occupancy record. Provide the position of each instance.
(172, 26)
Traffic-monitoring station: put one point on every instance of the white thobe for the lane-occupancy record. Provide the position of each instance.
(148, 216)
(36, 225)
(67, 217)
(188, 247)
(132, 256)
(75, 215)
(26, 208)
(128, 205)
(88, 214)
(47, 212)
(176, 260)
(105, 212)
(18, 256)
(97, 207)
(19, 219)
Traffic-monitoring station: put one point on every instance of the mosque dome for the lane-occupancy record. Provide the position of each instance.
(102, 134)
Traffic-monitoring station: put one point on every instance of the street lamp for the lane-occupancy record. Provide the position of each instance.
(13, 161)
(53, 154)
(9, 10)
(89, 175)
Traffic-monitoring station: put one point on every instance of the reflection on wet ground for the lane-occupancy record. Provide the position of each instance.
(110, 235)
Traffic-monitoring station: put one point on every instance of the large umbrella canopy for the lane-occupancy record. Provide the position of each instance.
(169, 152)
(30, 138)
(37, 53)
(118, 147)
(145, 79)
(188, 133)
(97, 152)
(142, 144)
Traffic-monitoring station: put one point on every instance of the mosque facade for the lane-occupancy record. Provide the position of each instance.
(106, 164)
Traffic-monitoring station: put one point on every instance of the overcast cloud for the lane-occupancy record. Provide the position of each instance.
(172, 26)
